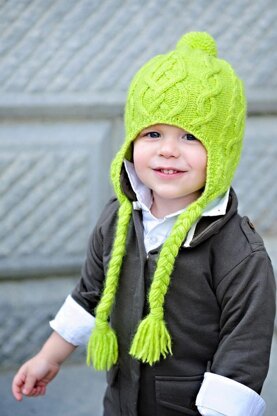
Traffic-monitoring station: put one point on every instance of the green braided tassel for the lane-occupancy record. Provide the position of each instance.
(102, 348)
(151, 340)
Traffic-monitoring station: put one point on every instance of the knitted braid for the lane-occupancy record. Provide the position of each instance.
(152, 338)
(102, 349)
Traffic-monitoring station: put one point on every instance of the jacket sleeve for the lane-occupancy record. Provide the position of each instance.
(245, 290)
(246, 295)
(89, 288)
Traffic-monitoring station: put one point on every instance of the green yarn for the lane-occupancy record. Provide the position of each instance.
(198, 40)
(102, 348)
(194, 90)
(151, 340)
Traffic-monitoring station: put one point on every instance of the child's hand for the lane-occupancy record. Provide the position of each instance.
(32, 378)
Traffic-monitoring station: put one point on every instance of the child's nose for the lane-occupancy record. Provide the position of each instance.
(169, 148)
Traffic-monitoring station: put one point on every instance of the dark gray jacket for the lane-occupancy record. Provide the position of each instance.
(219, 310)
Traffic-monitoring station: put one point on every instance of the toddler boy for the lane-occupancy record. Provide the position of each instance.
(180, 285)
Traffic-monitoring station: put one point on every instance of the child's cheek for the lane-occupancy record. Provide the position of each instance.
(137, 153)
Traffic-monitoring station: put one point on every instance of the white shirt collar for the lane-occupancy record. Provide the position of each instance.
(143, 194)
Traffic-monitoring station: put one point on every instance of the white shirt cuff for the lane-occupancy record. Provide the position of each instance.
(73, 322)
(223, 396)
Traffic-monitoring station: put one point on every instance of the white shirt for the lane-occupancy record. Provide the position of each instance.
(218, 395)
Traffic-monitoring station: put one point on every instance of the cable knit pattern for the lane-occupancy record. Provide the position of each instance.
(192, 89)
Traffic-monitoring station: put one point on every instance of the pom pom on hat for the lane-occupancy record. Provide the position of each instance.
(199, 40)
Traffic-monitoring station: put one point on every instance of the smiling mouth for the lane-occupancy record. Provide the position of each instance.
(168, 171)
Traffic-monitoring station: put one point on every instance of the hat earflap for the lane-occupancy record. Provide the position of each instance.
(102, 348)
(152, 338)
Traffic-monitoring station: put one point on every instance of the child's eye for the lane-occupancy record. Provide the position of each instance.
(189, 137)
(152, 134)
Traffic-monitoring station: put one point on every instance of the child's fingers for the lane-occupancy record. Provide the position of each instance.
(26, 385)
(38, 391)
(33, 392)
(42, 389)
(17, 385)
(29, 385)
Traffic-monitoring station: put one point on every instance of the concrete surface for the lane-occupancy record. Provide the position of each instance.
(78, 391)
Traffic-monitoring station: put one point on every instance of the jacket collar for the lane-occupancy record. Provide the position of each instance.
(208, 226)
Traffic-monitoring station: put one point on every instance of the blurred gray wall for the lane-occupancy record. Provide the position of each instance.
(64, 70)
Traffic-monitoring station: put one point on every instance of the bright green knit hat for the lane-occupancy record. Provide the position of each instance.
(192, 89)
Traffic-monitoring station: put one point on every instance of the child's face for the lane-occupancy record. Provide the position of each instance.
(172, 163)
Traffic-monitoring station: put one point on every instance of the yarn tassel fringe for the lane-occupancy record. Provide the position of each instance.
(151, 340)
(102, 348)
